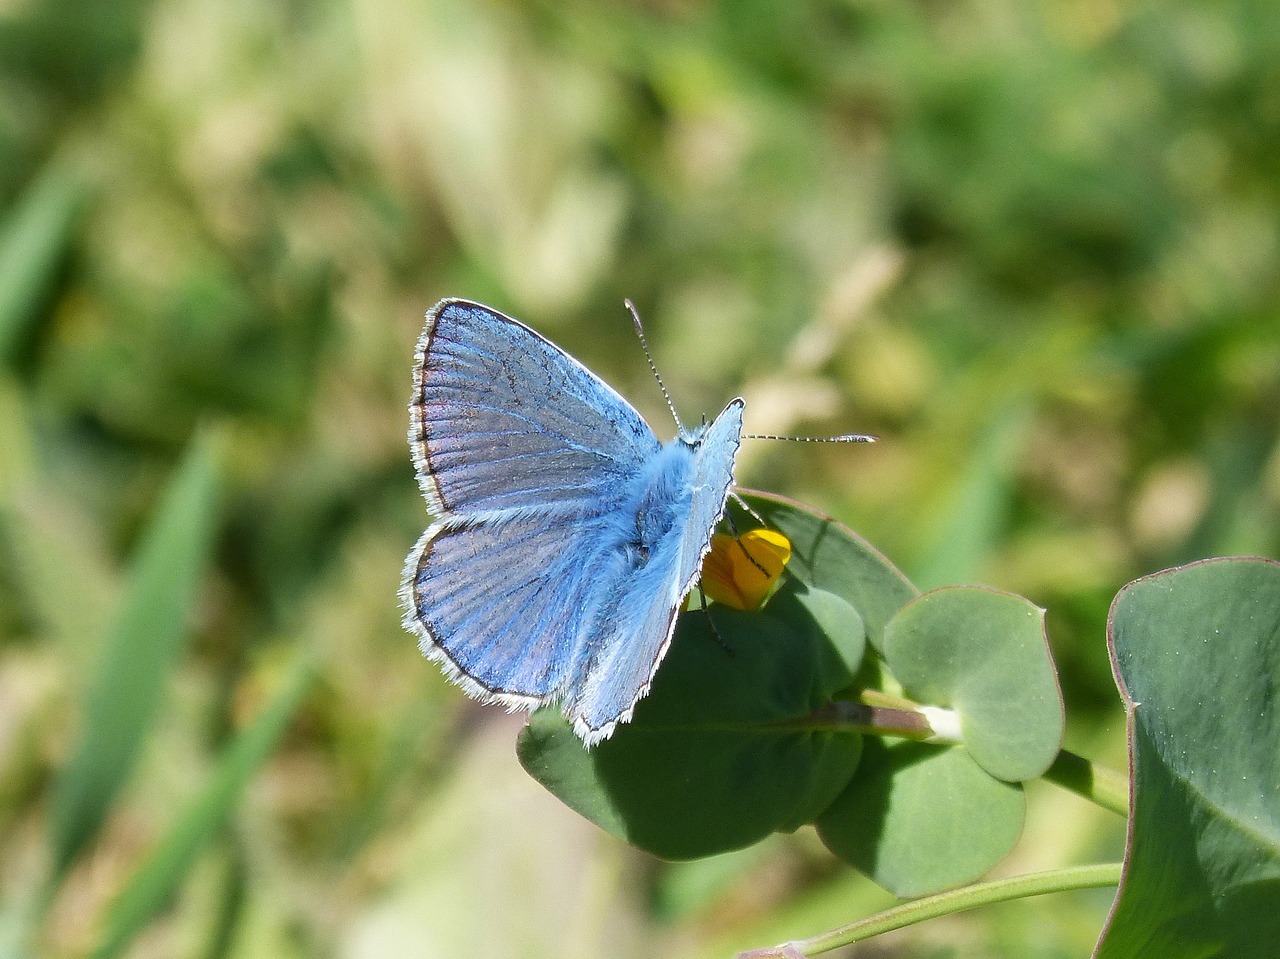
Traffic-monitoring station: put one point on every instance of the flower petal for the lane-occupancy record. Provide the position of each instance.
(741, 571)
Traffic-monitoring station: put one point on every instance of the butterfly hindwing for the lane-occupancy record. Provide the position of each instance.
(500, 603)
(501, 418)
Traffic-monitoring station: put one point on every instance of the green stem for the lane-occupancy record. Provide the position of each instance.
(1098, 784)
(946, 904)
(873, 720)
(882, 716)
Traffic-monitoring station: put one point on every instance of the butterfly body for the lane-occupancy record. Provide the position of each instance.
(567, 536)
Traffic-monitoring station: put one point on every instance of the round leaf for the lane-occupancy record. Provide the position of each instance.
(829, 556)
(1196, 652)
(984, 654)
(919, 819)
(838, 622)
(721, 753)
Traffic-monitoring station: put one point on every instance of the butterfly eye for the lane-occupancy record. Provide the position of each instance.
(740, 571)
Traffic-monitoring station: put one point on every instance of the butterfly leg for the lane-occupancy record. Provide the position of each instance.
(711, 621)
(746, 508)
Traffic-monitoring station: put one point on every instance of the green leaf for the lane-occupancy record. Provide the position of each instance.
(984, 654)
(142, 646)
(829, 556)
(33, 241)
(1196, 652)
(723, 751)
(919, 819)
(836, 620)
(150, 889)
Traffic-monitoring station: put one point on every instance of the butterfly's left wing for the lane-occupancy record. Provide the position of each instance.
(635, 629)
(503, 419)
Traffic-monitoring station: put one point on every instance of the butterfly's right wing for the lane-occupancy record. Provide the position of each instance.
(636, 622)
(504, 419)
(499, 603)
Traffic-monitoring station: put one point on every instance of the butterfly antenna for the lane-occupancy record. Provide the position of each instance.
(843, 438)
(644, 345)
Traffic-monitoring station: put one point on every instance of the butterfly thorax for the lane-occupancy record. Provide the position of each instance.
(657, 503)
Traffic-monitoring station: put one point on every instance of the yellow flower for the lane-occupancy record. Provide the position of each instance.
(740, 571)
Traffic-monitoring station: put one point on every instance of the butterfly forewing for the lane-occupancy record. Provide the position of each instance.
(503, 419)
(710, 481)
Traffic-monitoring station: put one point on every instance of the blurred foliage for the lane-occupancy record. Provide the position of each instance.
(1033, 246)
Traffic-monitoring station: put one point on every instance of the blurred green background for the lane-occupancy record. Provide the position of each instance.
(1032, 245)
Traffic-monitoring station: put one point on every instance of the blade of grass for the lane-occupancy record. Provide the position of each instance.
(232, 899)
(33, 242)
(155, 882)
(979, 505)
(140, 650)
(405, 745)
(48, 539)
(17, 464)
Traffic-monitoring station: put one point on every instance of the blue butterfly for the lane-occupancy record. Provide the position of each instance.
(566, 535)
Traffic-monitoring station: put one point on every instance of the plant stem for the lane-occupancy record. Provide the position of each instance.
(872, 720)
(1102, 786)
(945, 904)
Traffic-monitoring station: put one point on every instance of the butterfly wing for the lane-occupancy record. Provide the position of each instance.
(711, 479)
(502, 419)
(499, 603)
(635, 626)
(519, 450)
